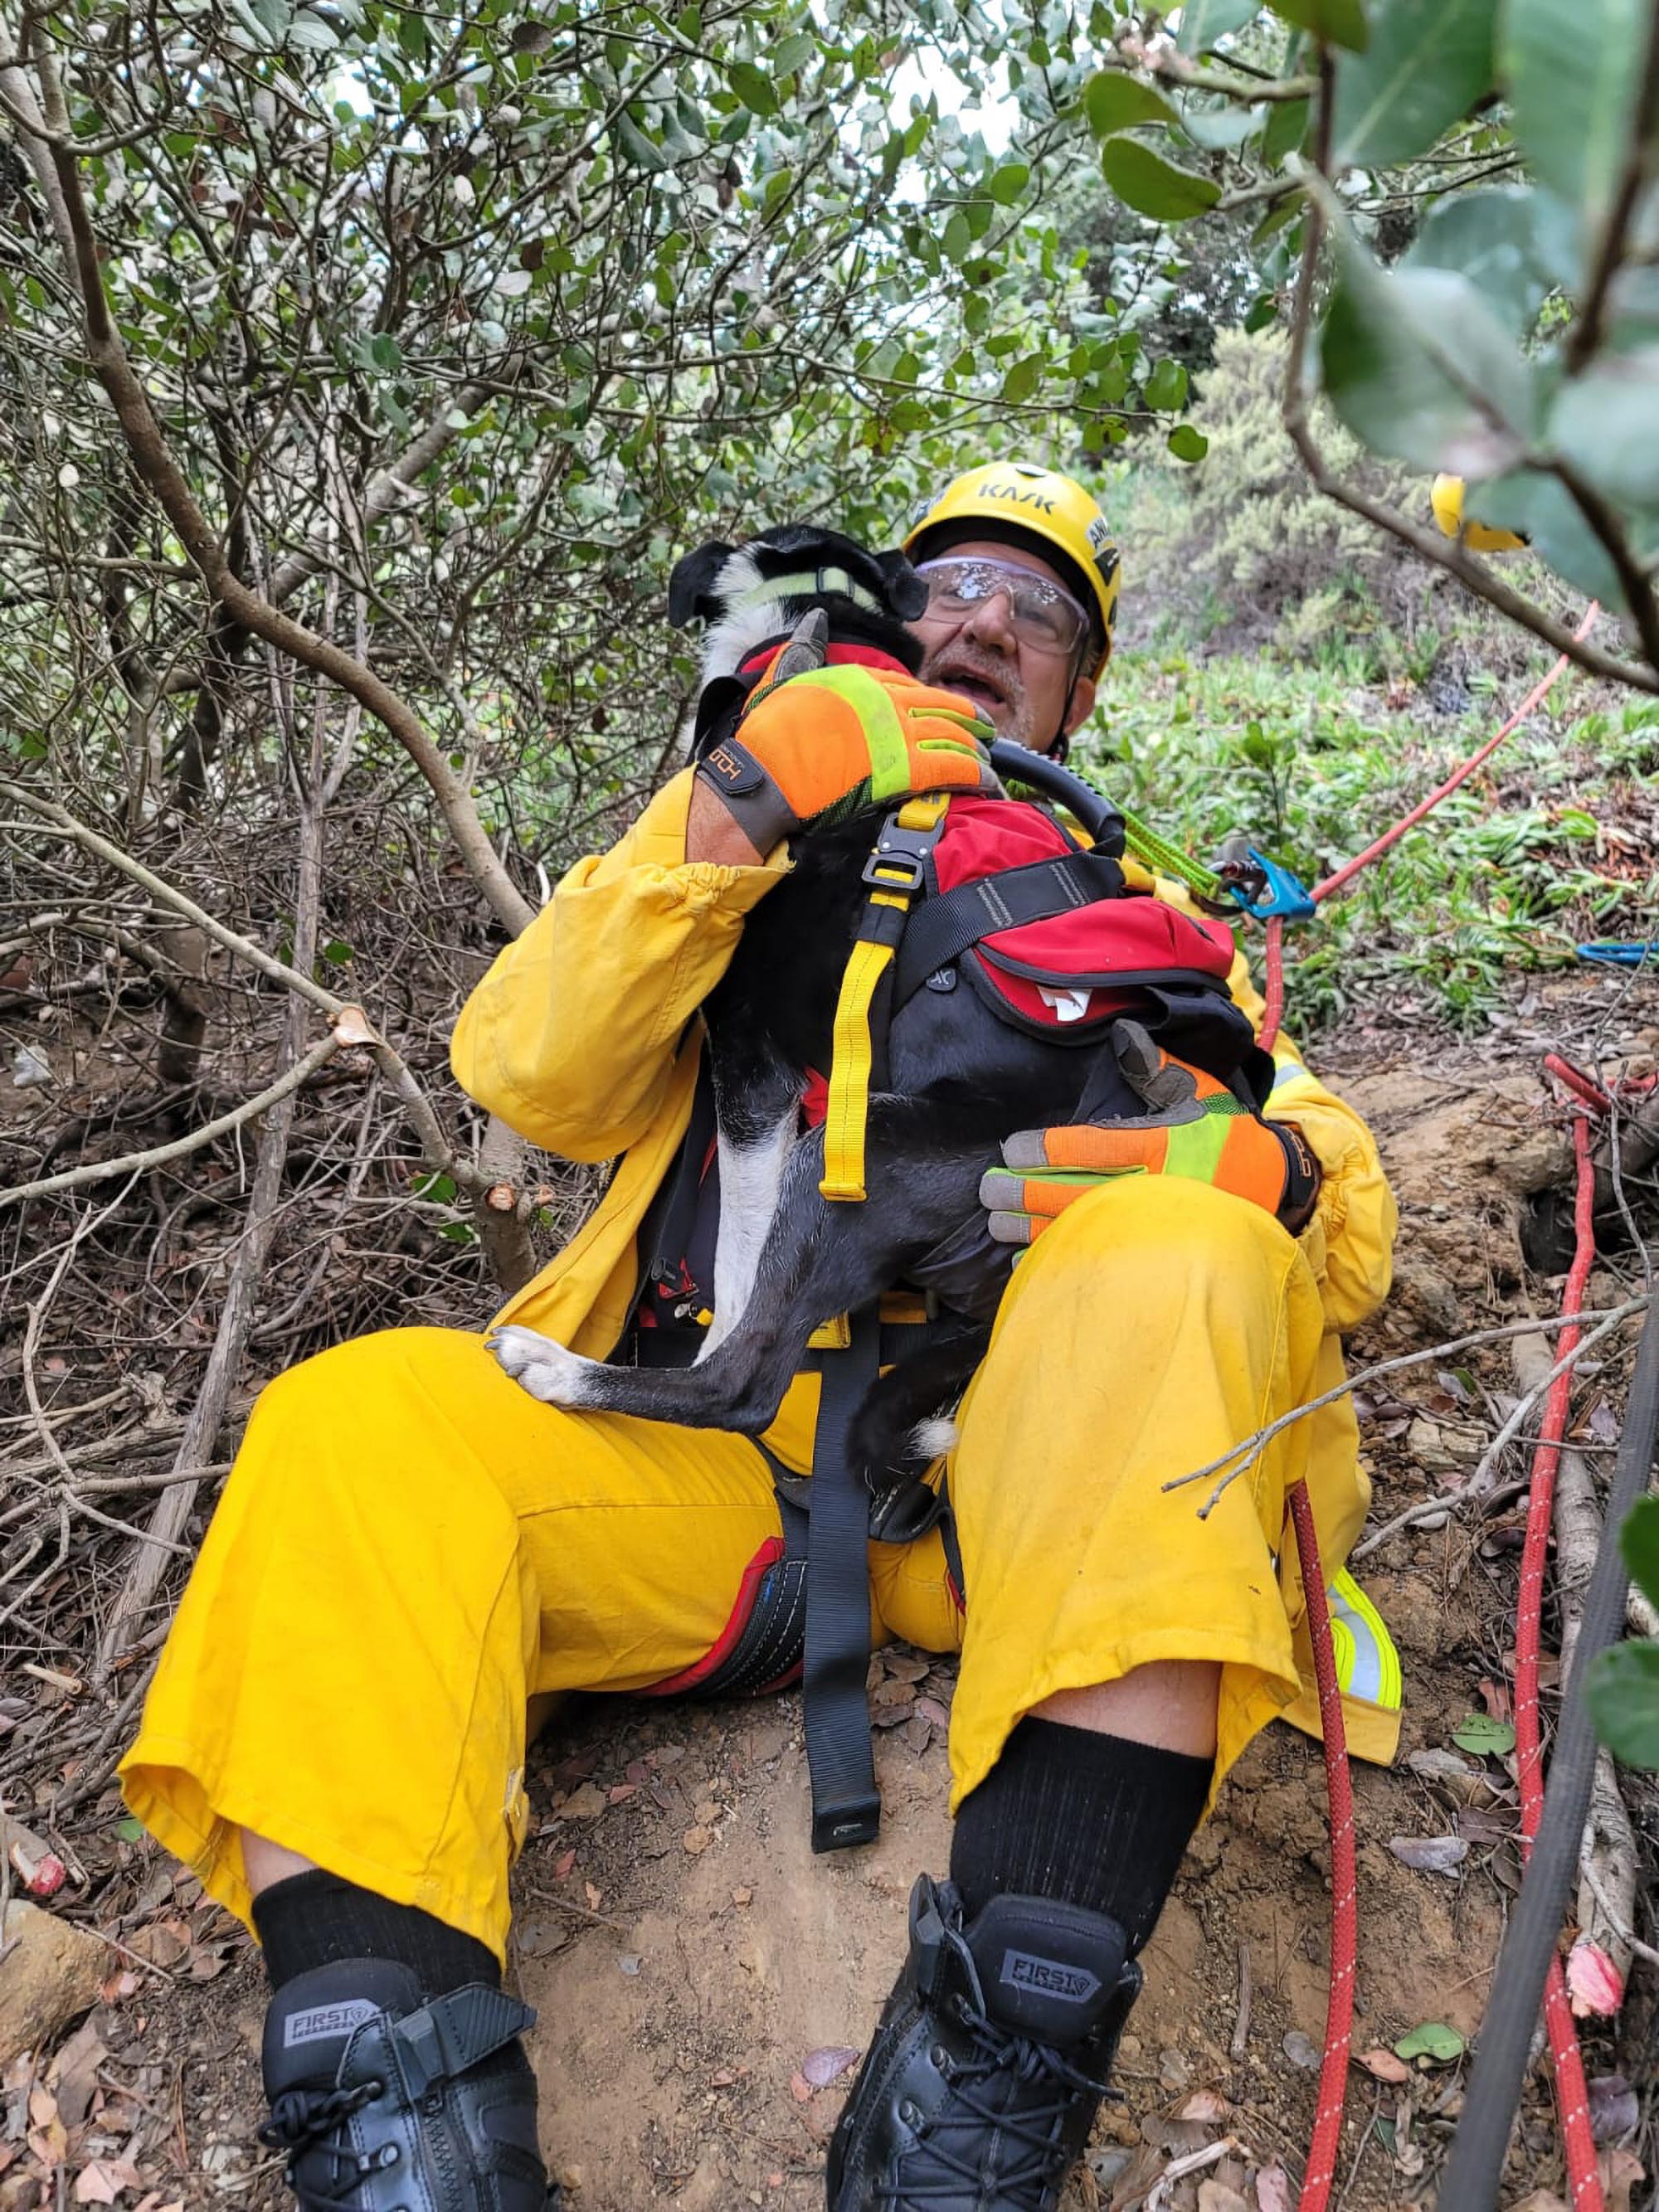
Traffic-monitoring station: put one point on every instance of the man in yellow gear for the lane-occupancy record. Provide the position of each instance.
(410, 1548)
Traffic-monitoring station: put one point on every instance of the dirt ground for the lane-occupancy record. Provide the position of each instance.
(704, 1984)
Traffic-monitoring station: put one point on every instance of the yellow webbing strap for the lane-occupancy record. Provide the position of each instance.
(853, 1051)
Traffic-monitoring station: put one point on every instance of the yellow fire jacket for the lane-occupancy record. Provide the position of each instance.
(583, 1036)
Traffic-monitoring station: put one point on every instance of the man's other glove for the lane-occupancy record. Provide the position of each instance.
(834, 739)
(1194, 1127)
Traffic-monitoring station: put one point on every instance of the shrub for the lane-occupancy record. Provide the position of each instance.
(1241, 551)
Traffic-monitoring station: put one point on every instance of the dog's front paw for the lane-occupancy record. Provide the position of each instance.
(548, 1370)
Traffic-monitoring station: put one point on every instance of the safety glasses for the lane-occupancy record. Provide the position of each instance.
(1040, 614)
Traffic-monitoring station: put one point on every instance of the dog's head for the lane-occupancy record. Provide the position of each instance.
(751, 596)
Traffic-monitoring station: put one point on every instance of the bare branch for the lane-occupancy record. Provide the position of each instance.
(153, 461)
(1248, 1448)
(158, 1154)
(1448, 553)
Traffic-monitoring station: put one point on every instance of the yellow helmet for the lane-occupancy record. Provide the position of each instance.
(1447, 500)
(1017, 499)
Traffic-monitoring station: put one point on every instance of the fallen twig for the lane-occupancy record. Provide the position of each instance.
(1242, 2022)
(1479, 1484)
(1248, 1448)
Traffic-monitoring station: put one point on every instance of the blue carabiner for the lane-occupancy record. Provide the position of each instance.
(1285, 896)
(1620, 956)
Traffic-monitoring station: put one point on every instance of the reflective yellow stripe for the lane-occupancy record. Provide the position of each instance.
(1367, 1664)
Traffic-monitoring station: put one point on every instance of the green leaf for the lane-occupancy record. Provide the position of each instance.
(1007, 183)
(1623, 1694)
(130, 1829)
(1146, 182)
(1218, 129)
(1639, 1542)
(336, 953)
(1021, 381)
(1419, 368)
(1334, 22)
(1165, 388)
(753, 87)
(386, 353)
(1509, 241)
(1428, 62)
(1434, 2039)
(1204, 22)
(1188, 444)
(638, 148)
(793, 53)
(1540, 509)
(1287, 127)
(958, 237)
(1603, 420)
(1262, 311)
(1571, 68)
(1113, 101)
(310, 34)
(1482, 1734)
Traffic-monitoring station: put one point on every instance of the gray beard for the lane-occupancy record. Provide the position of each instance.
(1021, 724)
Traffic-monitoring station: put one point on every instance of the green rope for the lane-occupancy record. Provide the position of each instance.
(1167, 859)
(1156, 853)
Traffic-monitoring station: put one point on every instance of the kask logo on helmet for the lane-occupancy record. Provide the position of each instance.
(1040, 502)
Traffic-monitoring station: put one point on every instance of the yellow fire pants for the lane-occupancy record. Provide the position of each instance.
(409, 1548)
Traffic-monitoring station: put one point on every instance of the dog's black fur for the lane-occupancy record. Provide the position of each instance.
(958, 1079)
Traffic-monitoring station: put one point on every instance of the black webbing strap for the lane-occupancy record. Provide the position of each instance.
(942, 929)
(846, 1803)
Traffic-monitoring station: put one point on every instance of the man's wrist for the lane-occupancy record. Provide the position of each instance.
(713, 835)
(1302, 1177)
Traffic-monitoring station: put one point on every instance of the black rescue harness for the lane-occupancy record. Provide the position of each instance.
(1024, 937)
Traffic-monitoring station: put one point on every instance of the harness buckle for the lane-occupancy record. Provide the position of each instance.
(897, 863)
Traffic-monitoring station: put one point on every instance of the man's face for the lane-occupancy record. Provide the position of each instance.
(1028, 693)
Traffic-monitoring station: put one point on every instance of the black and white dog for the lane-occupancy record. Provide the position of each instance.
(958, 1080)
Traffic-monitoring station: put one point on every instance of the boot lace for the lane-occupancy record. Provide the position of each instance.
(313, 2120)
(1013, 2090)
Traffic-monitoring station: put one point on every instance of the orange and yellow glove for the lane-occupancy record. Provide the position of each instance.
(1194, 1127)
(831, 740)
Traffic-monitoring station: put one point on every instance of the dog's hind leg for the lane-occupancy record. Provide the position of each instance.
(904, 1425)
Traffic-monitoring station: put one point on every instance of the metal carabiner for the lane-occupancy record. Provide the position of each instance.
(1267, 888)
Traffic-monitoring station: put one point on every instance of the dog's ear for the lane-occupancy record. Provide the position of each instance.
(691, 586)
(905, 592)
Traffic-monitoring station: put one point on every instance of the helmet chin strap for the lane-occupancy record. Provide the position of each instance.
(1062, 742)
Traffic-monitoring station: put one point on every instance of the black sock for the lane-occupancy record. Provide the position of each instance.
(1093, 1821)
(313, 1919)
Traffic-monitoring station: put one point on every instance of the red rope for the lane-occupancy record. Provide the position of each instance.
(1274, 953)
(1583, 2177)
(1540, 691)
(1572, 2098)
(1345, 1910)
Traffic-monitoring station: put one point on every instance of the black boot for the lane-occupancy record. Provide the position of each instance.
(990, 2061)
(386, 2104)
